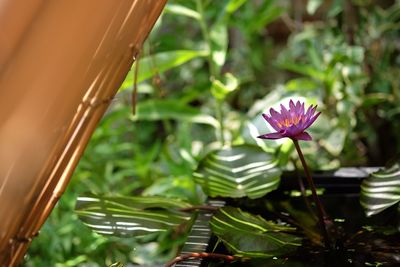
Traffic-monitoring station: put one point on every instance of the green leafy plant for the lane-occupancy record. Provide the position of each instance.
(206, 73)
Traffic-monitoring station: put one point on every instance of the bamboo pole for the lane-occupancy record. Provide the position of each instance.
(61, 63)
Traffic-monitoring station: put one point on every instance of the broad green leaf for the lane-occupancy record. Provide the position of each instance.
(181, 10)
(248, 235)
(381, 190)
(301, 85)
(159, 63)
(335, 8)
(219, 43)
(267, 12)
(305, 70)
(131, 216)
(233, 5)
(313, 5)
(221, 89)
(238, 171)
(334, 143)
(168, 109)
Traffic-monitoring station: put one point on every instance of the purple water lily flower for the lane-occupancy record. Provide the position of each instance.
(291, 123)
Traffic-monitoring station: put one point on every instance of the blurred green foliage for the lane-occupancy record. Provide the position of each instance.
(208, 70)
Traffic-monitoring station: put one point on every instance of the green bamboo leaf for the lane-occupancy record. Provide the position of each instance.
(170, 109)
(131, 216)
(381, 190)
(238, 171)
(159, 63)
(248, 235)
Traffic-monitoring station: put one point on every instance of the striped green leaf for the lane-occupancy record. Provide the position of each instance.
(248, 235)
(238, 171)
(131, 216)
(381, 190)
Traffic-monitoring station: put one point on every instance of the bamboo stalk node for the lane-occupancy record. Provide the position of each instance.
(23, 239)
(94, 103)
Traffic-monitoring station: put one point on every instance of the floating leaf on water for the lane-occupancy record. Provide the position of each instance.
(248, 235)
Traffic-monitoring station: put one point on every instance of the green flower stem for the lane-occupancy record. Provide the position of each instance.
(206, 36)
(321, 212)
(212, 69)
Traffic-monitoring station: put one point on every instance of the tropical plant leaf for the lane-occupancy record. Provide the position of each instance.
(131, 216)
(219, 43)
(238, 171)
(164, 109)
(252, 236)
(381, 189)
(181, 10)
(159, 63)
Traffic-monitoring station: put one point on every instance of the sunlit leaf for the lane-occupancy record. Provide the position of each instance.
(181, 10)
(252, 236)
(233, 5)
(131, 216)
(164, 109)
(304, 69)
(313, 5)
(219, 42)
(237, 172)
(221, 89)
(381, 190)
(301, 84)
(159, 63)
(334, 142)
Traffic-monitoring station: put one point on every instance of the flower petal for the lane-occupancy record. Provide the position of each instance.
(302, 109)
(271, 136)
(275, 115)
(308, 113)
(284, 112)
(271, 121)
(303, 136)
(311, 120)
(292, 107)
(298, 107)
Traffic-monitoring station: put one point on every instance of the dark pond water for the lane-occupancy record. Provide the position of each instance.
(360, 241)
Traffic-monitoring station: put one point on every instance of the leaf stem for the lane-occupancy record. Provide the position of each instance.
(321, 212)
(200, 255)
